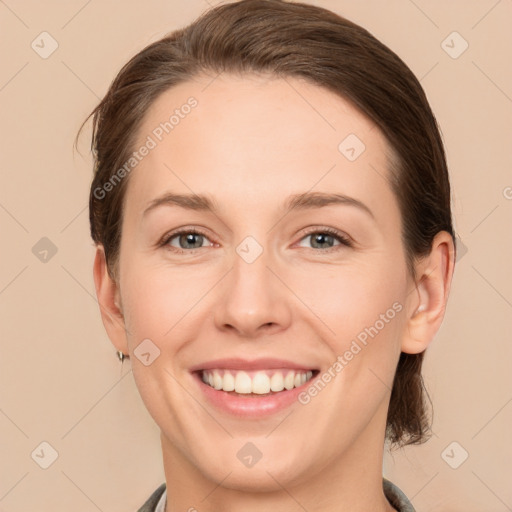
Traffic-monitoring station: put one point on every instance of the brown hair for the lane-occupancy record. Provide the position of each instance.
(283, 39)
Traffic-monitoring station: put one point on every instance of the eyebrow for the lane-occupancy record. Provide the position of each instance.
(304, 201)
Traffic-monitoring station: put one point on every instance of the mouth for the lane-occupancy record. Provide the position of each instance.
(252, 389)
(256, 383)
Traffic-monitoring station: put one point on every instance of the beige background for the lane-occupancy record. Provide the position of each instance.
(59, 379)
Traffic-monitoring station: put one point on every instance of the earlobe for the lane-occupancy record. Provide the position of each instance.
(428, 301)
(107, 292)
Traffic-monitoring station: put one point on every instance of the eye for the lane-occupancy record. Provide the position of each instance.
(324, 239)
(186, 240)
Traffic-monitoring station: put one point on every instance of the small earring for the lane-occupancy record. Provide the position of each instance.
(421, 308)
(121, 356)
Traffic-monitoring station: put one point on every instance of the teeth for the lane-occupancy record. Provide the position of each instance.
(217, 380)
(259, 383)
(289, 380)
(228, 382)
(243, 383)
(277, 382)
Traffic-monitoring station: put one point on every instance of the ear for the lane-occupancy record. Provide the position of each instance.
(107, 291)
(428, 301)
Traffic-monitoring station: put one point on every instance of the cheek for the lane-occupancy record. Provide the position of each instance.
(156, 298)
(359, 311)
(159, 306)
(349, 299)
(364, 316)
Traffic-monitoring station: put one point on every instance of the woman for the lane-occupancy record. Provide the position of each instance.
(271, 209)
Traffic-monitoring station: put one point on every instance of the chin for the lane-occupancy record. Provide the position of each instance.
(258, 479)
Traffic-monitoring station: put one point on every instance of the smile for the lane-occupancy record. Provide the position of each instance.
(259, 382)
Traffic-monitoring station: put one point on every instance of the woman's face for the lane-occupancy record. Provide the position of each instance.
(261, 230)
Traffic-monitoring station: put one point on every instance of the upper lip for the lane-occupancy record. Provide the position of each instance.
(244, 364)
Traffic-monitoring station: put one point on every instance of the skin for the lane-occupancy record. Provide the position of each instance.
(250, 143)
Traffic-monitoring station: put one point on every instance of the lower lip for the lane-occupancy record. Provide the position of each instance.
(250, 406)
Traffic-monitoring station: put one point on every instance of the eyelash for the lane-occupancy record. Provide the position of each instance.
(184, 231)
(344, 240)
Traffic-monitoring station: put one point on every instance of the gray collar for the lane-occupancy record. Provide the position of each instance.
(157, 501)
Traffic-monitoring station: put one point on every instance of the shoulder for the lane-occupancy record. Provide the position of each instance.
(396, 497)
(152, 501)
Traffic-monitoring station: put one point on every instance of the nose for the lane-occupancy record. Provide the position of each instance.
(252, 301)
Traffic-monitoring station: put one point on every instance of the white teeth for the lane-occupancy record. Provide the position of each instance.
(259, 383)
(217, 380)
(277, 382)
(289, 380)
(229, 382)
(243, 383)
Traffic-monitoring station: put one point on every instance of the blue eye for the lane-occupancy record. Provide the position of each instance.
(187, 240)
(323, 239)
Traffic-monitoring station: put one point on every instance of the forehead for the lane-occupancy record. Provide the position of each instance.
(248, 139)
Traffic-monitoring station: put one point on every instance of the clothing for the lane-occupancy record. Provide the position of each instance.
(396, 497)
(151, 504)
(156, 502)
